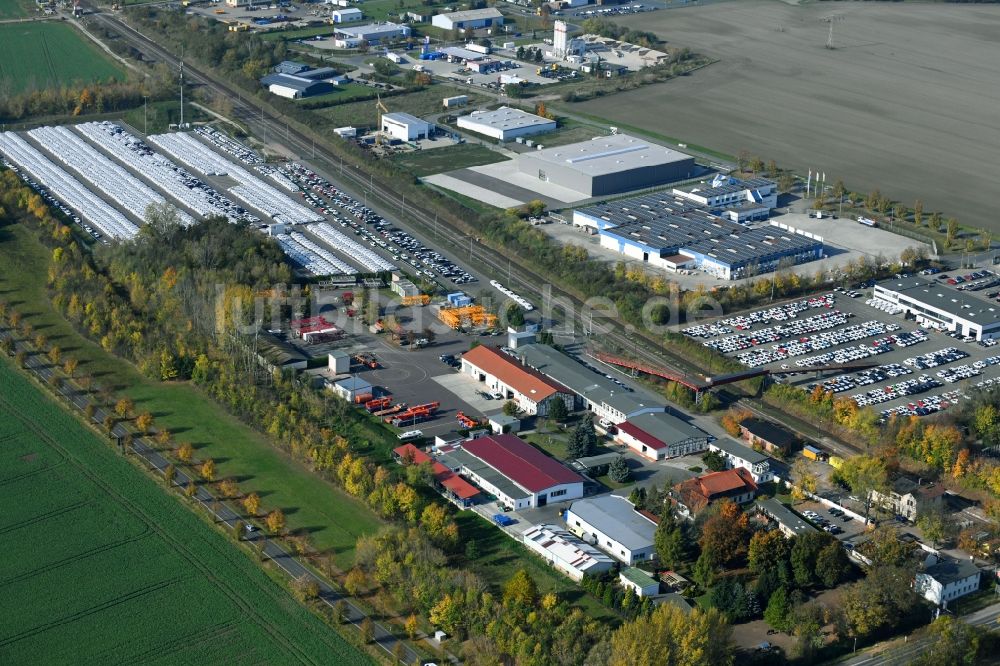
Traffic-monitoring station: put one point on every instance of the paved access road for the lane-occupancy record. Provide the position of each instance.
(38, 366)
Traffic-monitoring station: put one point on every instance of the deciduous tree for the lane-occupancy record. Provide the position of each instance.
(251, 504)
(275, 521)
(669, 637)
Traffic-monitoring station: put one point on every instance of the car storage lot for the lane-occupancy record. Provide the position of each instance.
(918, 371)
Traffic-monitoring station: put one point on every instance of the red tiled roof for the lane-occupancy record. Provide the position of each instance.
(413, 453)
(521, 462)
(641, 435)
(524, 380)
(453, 482)
(719, 483)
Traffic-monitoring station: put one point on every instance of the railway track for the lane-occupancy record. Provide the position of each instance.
(391, 204)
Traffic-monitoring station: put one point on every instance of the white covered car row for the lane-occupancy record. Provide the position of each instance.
(797, 329)
(520, 300)
(67, 188)
(368, 258)
(158, 169)
(310, 261)
(251, 190)
(109, 178)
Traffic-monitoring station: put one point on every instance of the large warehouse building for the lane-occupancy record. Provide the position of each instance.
(596, 393)
(372, 33)
(468, 20)
(516, 473)
(607, 165)
(661, 435)
(614, 525)
(405, 127)
(295, 80)
(506, 123)
(943, 307)
(533, 392)
(670, 232)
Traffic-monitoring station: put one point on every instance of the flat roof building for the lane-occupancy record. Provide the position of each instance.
(371, 33)
(598, 394)
(352, 388)
(471, 19)
(533, 392)
(565, 552)
(295, 86)
(506, 123)
(607, 165)
(790, 523)
(661, 435)
(641, 582)
(734, 199)
(738, 456)
(516, 473)
(614, 525)
(348, 15)
(405, 127)
(942, 306)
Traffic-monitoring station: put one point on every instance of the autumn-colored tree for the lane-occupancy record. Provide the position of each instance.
(305, 588)
(275, 521)
(725, 533)
(671, 637)
(412, 626)
(70, 365)
(863, 474)
(185, 452)
(769, 550)
(123, 408)
(732, 419)
(355, 582)
(229, 488)
(367, 629)
(169, 474)
(41, 341)
(448, 614)
(190, 489)
(144, 422)
(55, 354)
(208, 470)
(251, 504)
(520, 590)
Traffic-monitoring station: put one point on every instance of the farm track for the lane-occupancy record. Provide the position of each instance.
(43, 517)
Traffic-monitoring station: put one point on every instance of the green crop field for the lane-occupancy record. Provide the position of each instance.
(48, 54)
(100, 565)
(437, 160)
(334, 519)
(10, 9)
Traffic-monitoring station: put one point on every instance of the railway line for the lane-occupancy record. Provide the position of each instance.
(393, 205)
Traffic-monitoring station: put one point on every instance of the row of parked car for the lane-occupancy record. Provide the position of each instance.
(920, 384)
(376, 230)
(784, 312)
(823, 340)
(797, 329)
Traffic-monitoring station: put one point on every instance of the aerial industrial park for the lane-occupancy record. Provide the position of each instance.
(361, 332)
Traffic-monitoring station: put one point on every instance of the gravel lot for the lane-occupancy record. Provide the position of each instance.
(917, 82)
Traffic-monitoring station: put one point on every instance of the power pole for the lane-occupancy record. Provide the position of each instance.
(145, 124)
(182, 93)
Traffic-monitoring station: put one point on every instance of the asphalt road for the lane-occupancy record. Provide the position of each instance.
(220, 511)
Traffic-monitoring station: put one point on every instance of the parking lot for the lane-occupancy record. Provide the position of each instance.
(831, 520)
(916, 370)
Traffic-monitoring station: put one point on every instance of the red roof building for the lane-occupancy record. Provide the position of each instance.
(457, 488)
(517, 473)
(695, 495)
(532, 391)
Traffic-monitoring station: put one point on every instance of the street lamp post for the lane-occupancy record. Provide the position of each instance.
(145, 130)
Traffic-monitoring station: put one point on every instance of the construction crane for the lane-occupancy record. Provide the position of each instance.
(381, 108)
(831, 19)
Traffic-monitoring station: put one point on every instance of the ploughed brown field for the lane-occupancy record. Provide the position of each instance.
(908, 100)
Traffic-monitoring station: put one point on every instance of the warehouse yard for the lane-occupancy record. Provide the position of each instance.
(49, 54)
(917, 81)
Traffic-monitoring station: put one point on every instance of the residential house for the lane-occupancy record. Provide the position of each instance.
(695, 495)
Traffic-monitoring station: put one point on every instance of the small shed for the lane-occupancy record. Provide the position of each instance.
(352, 388)
(641, 582)
(501, 423)
(339, 362)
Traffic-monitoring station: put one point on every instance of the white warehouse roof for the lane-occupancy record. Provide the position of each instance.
(610, 154)
(504, 119)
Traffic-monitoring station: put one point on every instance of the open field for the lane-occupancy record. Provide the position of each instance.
(10, 9)
(435, 160)
(42, 55)
(334, 519)
(101, 566)
(906, 102)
